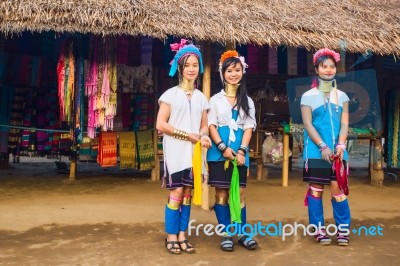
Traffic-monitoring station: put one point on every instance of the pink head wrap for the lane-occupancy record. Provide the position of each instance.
(326, 52)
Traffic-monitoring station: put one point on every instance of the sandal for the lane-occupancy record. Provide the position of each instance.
(342, 239)
(247, 242)
(322, 238)
(189, 248)
(227, 243)
(174, 247)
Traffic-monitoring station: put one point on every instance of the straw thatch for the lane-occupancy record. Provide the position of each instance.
(356, 25)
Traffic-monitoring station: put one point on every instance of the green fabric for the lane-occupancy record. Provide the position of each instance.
(234, 195)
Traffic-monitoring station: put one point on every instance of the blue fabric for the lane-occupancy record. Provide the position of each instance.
(315, 211)
(322, 123)
(187, 49)
(244, 213)
(223, 214)
(215, 155)
(171, 221)
(341, 213)
(184, 217)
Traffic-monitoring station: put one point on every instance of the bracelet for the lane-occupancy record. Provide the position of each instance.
(180, 134)
(203, 134)
(341, 146)
(221, 146)
(245, 148)
(241, 152)
(323, 146)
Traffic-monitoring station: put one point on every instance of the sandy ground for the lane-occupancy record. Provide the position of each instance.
(115, 217)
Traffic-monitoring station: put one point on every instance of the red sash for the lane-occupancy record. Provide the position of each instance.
(341, 174)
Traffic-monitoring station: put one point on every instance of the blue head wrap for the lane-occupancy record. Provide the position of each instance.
(182, 50)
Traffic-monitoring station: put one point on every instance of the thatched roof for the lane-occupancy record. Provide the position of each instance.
(359, 25)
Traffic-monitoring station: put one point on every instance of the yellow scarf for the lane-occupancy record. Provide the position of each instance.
(197, 168)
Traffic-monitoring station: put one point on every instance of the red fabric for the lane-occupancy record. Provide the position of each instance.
(341, 174)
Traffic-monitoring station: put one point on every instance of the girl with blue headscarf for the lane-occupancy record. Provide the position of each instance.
(182, 118)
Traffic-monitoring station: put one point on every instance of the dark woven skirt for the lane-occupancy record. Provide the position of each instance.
(221, 178)
(179, 179)
(319, 172)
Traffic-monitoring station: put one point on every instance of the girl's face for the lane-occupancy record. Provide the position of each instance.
(233, 74)
(326, 69)
(191, 68)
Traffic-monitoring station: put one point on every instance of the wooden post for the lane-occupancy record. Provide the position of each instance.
(285, 165)
(155, 173)
(375, 164)
(72, 170)
(206, 88)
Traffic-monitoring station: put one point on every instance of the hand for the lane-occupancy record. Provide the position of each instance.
(327, 154)
(205, 141)
(340, 152)
(194, 138)
(241, 159)
(229, 154)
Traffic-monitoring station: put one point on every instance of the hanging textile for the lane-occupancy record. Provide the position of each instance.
(3, 64)
(292, 60)
(396, 127)
(263, 59)
(101, 84)
(6, 96)
(145, 149)
(302, 61)
(66, 80)
(134, 56)
(84, 150)
(16, 119)
(143, 111)
(282, 60)
(252, 58)
(310, 64)
(107, 152)
(127, 150)
(146, 47)
(157, 53)
(127, 110)
(272, 60)
(79, 94)
(122, 49)
(36, 71)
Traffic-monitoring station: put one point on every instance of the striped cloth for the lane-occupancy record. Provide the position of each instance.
(145, 150)
(107, 153)
(127, 150)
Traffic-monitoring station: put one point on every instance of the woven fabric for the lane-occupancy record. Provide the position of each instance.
(145, 149)
(127, 150)
(107, 153)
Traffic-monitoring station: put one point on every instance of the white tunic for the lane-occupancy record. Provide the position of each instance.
(185, 115)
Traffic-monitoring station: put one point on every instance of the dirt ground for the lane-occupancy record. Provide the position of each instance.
(115, 217)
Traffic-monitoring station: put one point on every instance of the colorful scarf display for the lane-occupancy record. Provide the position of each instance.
(101, 84)
(145, 149)
(66, 81)
(127, 150)
(107, 152)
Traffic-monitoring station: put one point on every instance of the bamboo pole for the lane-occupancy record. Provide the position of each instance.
(206, 88)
